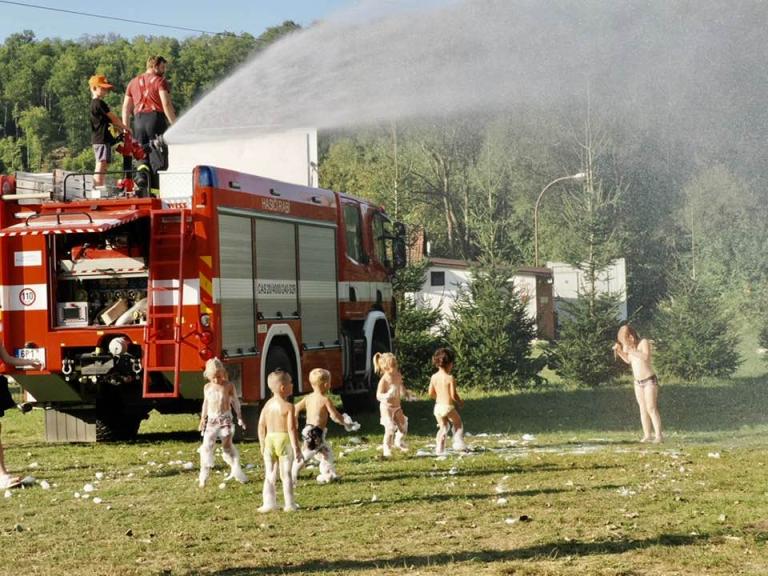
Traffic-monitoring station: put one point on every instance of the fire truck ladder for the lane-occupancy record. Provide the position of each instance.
(165, 290)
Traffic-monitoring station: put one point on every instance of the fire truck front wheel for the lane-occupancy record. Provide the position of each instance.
(115, 425)
(278, 358)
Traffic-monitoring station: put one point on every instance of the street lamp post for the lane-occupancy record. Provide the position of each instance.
(579, 176)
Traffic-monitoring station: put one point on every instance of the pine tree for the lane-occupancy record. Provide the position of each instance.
(491, 333)
(588, 328)
(417, 327)
(694, 337)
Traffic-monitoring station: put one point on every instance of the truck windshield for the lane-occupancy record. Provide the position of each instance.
(383, 239)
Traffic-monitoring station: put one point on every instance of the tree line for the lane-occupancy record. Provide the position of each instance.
(44, 92)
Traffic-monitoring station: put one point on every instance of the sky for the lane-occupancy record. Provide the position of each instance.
(238, 16)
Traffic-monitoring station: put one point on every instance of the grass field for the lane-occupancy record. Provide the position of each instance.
(596, 501)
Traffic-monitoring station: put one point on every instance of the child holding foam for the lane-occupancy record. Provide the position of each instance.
(319, 408)
(389, 393)
(279, 441)
(219, 399)
(442, 387)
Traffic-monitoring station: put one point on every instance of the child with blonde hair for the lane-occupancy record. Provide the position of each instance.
(219, 399)
(319, 408)
(442, 387)
(637, 353)
(389, 392)
(279, 441)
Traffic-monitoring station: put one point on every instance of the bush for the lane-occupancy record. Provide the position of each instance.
(762, 339)
(491, 334)
(587, 330)
(417, 336)
(417, 328)
(694, 337)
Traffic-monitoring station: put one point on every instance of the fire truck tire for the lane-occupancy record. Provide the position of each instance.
(115, 427)
(277, 357)
(365, 401)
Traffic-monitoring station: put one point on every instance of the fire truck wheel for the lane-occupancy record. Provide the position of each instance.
(365, 400)
(114, 427)
(277, 357)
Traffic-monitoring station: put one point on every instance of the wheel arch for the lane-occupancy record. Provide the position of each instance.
(280, 334)
(375, 327)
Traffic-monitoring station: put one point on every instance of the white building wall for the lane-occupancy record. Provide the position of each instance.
(568, 283)
(526, 287)
(444, 297)
(289, 156)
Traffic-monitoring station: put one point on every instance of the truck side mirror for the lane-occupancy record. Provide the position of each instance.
(400, 255)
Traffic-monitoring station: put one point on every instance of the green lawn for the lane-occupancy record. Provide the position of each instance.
(597, 501)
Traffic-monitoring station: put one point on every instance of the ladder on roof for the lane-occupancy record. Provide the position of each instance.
(165, 301)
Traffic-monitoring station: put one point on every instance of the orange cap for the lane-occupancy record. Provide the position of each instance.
(99, 80)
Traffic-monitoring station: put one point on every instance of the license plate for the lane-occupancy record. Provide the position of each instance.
(31, 354)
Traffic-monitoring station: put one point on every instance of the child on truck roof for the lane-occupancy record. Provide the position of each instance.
(279, 441)
(219, 399)
(101, 117)
(319, 408)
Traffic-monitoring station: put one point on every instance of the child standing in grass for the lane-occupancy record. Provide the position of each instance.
(219, 399)
(442, 387)
(389, 393)
(279, 441)
(637, 353)
(319, 408)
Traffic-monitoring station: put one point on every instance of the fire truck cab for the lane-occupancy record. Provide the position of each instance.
(123, 299)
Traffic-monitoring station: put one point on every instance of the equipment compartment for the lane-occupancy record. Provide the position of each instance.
(101, 277)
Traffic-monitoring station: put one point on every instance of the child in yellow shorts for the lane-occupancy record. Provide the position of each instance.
(279, 441)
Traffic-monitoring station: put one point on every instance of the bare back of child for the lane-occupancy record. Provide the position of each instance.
(442, 387)
(319, 408)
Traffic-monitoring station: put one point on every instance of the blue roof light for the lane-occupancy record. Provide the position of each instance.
(207, 176)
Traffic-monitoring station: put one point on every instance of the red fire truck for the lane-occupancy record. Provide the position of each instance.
(123, 298)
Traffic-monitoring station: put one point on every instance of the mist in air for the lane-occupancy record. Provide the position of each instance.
(696, 67)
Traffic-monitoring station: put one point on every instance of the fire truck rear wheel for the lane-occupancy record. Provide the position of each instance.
(365, 401)
(115, 427)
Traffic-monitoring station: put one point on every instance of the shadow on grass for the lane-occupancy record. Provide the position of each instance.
(177, 435)
(436, 498)
(405, 562)
(687, 408)
(729, 405)
(369, 476)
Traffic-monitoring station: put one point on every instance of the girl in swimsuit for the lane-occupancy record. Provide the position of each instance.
(637, 353)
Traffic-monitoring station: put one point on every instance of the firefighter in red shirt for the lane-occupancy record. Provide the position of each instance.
(148, 99)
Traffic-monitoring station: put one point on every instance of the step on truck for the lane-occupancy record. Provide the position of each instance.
(124, 298)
